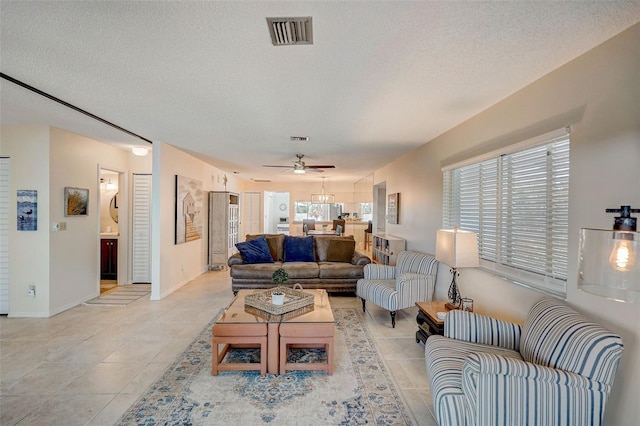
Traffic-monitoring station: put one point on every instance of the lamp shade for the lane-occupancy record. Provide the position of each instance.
(609, 264)
(457, 248)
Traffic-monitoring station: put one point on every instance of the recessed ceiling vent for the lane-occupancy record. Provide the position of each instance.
(300, 138)
(289, 31)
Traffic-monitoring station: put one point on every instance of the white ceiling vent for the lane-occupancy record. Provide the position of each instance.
(288, 31)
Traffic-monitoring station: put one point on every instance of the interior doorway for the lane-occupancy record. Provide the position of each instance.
(277, 211)
(379, 207)
(112, 240)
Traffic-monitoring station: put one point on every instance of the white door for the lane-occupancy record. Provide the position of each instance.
(4, 235)
(251, 212)
(141, 227)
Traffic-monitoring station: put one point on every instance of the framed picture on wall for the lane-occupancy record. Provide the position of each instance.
(76, 201)
(189, 205)
(393, 207)
(27, 210)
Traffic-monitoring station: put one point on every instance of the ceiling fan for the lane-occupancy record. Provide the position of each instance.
(299, 166)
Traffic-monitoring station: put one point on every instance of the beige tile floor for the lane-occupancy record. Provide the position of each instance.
(87, 365)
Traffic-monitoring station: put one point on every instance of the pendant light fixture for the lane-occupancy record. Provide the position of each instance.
(608, 261)
(323, 197)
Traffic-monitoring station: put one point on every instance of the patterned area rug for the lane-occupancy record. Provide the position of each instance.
(361, 390)
(121, 295)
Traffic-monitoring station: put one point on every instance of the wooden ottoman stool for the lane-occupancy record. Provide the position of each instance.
(306, 335)
(239, 336)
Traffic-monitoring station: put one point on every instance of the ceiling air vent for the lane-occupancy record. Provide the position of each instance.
(300, 138)
(288, 31)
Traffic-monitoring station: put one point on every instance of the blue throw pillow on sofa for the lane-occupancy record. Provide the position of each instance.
(255, 251)
(298, 249)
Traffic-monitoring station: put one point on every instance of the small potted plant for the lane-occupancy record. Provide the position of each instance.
(280, 276)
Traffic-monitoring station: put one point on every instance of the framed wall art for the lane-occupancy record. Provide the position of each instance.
(393, 208)
(27, 210)
(76, 201)
(189, 202)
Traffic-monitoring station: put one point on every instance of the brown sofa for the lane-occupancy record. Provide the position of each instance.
(337, 266)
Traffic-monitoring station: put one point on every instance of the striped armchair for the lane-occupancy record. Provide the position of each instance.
(398, 287)
(557, 369)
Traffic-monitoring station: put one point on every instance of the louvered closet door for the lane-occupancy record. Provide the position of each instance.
(141, 246)
(4, 235)
(251, 213)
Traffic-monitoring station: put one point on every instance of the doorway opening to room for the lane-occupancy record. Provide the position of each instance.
(379, 207)
(109, 187)
(277, 208)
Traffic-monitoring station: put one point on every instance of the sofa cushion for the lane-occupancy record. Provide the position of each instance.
(341, 250)
(332, 270)
(321, 244)
(275, 243)
(298, 249)
(301, 270)
(255, 251)
(256, 271)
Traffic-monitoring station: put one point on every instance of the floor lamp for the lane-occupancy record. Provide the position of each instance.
(458, 249)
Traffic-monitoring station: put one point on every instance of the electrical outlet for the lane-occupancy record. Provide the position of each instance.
(31, 292)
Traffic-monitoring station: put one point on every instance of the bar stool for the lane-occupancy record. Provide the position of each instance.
(367, 235)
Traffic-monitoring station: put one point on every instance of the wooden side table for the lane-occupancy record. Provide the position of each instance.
(428, 321)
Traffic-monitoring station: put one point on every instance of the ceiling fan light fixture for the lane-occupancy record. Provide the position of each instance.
(298, 171)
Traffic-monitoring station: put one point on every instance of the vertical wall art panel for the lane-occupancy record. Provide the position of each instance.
(189, 203)
(393, 208)
(27, 210)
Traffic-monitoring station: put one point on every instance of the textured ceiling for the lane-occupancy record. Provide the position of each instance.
(381, 78)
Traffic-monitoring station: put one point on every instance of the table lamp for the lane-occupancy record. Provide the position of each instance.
(458, 249)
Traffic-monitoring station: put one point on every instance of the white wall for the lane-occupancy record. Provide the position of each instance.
(599, 94)
(74, 253)
(175, 265)
(28, 148)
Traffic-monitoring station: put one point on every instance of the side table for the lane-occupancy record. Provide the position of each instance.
(428, 321)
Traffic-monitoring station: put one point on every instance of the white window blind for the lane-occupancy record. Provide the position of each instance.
(518, 204)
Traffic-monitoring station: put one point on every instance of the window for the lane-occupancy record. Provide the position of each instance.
(517, 201)
(366, 212)
(319, 212)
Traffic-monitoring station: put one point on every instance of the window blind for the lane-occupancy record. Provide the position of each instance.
(518, 204)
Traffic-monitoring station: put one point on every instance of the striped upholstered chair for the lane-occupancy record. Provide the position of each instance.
(398, 287)
(558, 369)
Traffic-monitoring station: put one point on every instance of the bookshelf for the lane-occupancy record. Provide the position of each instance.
(386, 248)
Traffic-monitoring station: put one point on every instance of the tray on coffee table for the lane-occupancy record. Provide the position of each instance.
(296, 302)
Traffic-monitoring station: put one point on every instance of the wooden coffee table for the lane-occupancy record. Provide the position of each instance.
(237, 328)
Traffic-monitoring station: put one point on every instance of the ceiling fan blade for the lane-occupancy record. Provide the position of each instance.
(287, 167)
(310, 169)
(320, 167)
